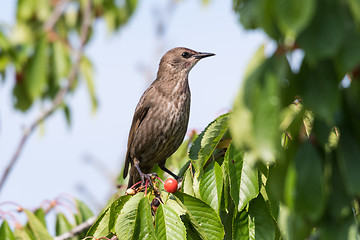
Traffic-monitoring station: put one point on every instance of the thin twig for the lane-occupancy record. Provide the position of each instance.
(76, 230)
(59, 98)
(55, 15)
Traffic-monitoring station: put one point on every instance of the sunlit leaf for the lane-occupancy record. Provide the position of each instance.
(144, 226)
(354, 7)
(61, 60)
(168, 224)
(40, 214)
(202, 217)
(36, 70)
(62, 224)
(84, 212)
(244, 184)
(5, 231)
(36, 227)
(21, 234)
(25, 9)
(211, 186)
(205, 144)
(116, 208)
(125, 223)
(100, 228)
(88, 73)
(187, 184)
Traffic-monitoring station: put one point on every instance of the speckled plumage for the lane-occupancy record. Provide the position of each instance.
(161, 117)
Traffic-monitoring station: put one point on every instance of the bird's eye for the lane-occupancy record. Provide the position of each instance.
(186, 55)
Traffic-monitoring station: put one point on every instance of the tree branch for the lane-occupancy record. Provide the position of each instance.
(55, 15)
(59, 98)
(79, 228)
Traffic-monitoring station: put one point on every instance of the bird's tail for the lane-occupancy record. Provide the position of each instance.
(134, 176)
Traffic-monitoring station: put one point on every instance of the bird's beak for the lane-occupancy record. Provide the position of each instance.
(201, 55)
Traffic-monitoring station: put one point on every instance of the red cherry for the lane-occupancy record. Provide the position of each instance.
(171, 185)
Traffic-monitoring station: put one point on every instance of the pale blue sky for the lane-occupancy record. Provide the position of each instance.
(52, 163)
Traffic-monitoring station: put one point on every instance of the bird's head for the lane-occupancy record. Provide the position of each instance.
(181, 59)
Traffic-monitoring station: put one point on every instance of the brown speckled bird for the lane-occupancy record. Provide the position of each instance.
(161, 117)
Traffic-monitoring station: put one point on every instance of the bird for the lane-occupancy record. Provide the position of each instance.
(161, 116)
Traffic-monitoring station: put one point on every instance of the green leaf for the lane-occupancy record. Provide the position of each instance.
(325, 34)
(67, 114)
(257, 14)
(125, 223)
(144, 226)
(292, 226)
(40, 214)
(62, 224)
(256, 118)
(101, 226)
(115, 209)
(226, 198)
(36, 70)
(324, 103)
(205, 144)
(175, 206)
(36, 227)
(261, 223)
(293, 16)
(304, 190)
(240, 225)
(105, 222)
(61, 60)
(340, 203)
(202, 217)
(347, 228)
(88, 73)
(244, 184)
(84, 212)
(354, 7)
(187, 184)
(5, 231)
(349, 55)
(21, 234)
(21, 99)
(348, 157)
(43, 9)
(211, 185)
(25, 9)
(168, 224)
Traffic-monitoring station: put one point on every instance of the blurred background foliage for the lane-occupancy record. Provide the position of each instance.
(284, 164)
(303, 123)
(40, 46)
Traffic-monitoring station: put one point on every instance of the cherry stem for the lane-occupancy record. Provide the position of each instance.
(146, 186)
(133, 186)
(160, 179)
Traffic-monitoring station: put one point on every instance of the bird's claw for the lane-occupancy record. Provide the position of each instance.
(148, 176)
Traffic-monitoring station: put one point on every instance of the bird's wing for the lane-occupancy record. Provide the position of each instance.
(139, 115)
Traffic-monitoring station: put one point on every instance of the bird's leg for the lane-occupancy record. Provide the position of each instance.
(144, 176)
(162, 167)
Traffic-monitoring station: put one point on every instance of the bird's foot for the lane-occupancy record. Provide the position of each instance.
(148, 177)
